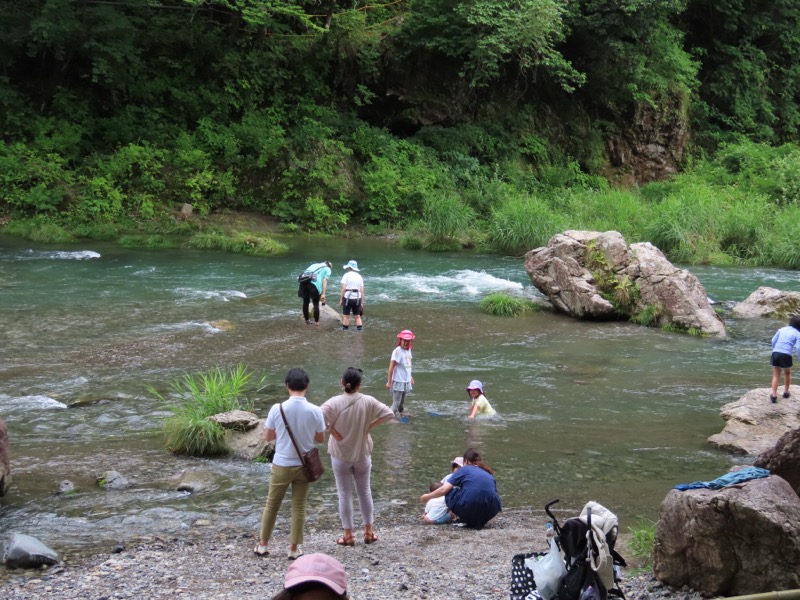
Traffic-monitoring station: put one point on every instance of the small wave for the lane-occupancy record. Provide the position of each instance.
(60, 255)
(224, 295)
(36, 401)
(466, 282)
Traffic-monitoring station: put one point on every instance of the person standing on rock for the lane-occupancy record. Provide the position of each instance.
(350, 417)
(313, 290)
(784, 344)
(398, 379)
(351, 297)
(308, 427)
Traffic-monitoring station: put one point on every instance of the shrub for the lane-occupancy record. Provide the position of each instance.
(520, 224)
(188, 431)
(152, 241)
(503, 305)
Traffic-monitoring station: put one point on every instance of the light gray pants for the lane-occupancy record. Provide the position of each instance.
(398, 400)
(345, 473)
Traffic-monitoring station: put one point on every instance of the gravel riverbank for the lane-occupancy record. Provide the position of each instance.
(410, 561)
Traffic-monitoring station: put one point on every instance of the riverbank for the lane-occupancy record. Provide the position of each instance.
(410, 561)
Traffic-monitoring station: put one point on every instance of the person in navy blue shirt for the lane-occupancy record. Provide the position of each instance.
(471, 492)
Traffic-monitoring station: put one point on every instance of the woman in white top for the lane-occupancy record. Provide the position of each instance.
(352, 296)
(350, 417)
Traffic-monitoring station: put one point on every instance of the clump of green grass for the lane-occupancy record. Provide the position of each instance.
(39, 229)
(151, 241)
(188, 431)
(240, 243)
(641, 542)
(503, 305)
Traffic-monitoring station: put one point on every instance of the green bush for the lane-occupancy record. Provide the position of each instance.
(151, 241)
(39, 229)
(188, 431)
(503, 305)
(641, 541)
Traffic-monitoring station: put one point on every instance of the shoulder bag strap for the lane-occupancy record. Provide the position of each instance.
(289, 431)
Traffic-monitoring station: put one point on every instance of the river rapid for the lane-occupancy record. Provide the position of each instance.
(611, 412)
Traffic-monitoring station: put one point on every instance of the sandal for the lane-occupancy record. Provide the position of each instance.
(346, 541)
(370, 538)
(260, 550)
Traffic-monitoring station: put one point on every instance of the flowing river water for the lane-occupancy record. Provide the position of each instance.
(611, 412)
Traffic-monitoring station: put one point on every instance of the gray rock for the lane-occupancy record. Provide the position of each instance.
(26, 552)
(743, 539)
(581, 272)
(239, 420)
(250, 444)
(753, 424)
(783, 459)
(5, 461)
(770, 303)
(112, 480)
(196, 481)
(66, 487)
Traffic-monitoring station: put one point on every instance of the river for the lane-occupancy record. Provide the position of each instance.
(611, 412)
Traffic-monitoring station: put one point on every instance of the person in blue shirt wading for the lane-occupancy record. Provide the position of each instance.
(784, 343)
(314, 291)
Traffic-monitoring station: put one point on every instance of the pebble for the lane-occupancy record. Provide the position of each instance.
(410, 561)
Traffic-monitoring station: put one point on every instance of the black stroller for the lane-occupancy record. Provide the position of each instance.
(592, 564)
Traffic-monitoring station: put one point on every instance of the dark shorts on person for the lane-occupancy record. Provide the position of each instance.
(781, 360)
(352, 305)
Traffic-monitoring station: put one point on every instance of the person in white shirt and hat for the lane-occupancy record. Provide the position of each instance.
(352, 296)
(480, 405)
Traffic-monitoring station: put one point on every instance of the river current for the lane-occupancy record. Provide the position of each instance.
(611, 412)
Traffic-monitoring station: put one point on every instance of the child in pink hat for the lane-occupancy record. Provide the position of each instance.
(320, 574)
(480, 405)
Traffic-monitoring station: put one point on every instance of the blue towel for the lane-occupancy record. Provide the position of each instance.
(726, 480)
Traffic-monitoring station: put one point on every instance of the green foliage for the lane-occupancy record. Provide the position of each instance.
(641, 542)
(33, 181)
(239, 243)
(647, 315)
(188, 431)
(445, 221)
(520, 224)
(503, 305)
(150, 241)
(39, 229)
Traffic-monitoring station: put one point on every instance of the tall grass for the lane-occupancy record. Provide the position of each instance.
(520, 224)
(188, 431)
(446, 221)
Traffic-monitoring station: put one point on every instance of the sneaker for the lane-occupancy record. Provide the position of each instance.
(260, 550)
(773, 399)
(295, 554)
(786, 394)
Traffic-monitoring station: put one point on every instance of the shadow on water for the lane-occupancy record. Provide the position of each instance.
(586, 411)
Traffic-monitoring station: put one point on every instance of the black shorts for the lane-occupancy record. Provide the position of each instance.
(354, 305)
(781, 360)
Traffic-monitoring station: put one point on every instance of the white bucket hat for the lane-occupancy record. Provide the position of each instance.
(351, 265)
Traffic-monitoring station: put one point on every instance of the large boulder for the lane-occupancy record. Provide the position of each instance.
(596, 275)
(743, 539)
(5, 460)
(753, 424)
(769, 302)
(783, 459)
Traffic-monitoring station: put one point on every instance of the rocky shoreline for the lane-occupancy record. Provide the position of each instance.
(411, 561)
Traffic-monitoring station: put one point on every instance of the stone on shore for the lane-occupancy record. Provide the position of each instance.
(742, 539)
(753, 424)
(25, 552)
(783, 459)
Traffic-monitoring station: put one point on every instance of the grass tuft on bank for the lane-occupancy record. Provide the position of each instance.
(188, 431)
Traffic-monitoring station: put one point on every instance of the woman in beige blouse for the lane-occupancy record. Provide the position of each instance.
(350, 417)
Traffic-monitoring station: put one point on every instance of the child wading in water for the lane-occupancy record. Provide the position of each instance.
(784, 343)
(399, 380)
(480, 405)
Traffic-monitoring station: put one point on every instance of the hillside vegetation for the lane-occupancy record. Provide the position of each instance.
(462, 123)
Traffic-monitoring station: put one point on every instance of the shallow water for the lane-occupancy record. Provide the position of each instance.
(610, 412)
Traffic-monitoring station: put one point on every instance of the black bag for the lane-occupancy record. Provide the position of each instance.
(307, 276)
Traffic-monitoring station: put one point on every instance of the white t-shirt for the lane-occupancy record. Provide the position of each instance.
(402, 370)
(353, 284)
(436, 510)
(304, 418)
